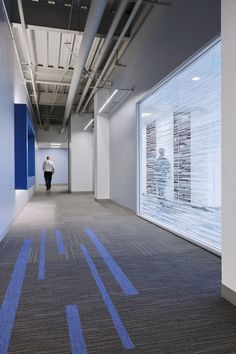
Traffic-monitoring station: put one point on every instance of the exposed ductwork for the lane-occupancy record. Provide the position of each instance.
(125, 29)
(105, 46)
(23, 27)
(94, 17)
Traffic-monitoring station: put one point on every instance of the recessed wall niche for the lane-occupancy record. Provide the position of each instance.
(24, 148)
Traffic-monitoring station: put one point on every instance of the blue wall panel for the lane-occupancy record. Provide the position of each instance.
(20, 146)
(24, 149)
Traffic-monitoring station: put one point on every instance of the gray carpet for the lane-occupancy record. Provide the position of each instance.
(178, 308)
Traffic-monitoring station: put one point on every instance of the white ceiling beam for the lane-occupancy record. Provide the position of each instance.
(48, 82)
(23, 29)
(50, 70)
(47, 29)
(47, 98)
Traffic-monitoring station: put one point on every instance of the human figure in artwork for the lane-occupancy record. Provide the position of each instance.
(49, 169)
(162, 173)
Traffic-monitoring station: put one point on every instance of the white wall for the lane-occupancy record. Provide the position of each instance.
(81, 155)
(12, 91)
(228, 144)
(101, 149)
(60, 159)
(169, 36)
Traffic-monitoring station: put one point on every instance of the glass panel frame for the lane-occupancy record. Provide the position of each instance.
(179, 116)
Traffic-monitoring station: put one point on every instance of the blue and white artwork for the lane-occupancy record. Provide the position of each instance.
(180, 151)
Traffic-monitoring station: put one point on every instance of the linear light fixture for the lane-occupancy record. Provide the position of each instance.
(107, 101)
(145, 114)
(55, 144)
(88, 125)
(196, 78)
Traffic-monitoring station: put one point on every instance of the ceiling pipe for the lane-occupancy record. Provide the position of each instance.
(125, 29)
(94, 18)
(103, 50)
(122, 49)
(34, 120)
(23, 27)
(53, 83)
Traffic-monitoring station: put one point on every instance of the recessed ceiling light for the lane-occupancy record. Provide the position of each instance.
(196, 78)
(51, 2)
(91, 121)
(100, 110)
(67, 4)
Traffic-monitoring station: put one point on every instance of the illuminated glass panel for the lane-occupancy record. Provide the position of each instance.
(180, 151)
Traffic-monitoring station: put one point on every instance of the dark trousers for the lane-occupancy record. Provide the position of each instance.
(48, 178)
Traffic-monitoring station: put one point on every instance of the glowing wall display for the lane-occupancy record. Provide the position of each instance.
(179, 152)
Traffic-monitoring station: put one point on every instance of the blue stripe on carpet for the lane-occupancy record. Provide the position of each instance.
(60, 244)
(118, 274)
(124, 337)
(41, 269)
(77, 341)
(12, 296)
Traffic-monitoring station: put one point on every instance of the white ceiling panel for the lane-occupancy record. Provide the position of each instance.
(19, 44)
(41, 47)
(54, 48)
(53, 55)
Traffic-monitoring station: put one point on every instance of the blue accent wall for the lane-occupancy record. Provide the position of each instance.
(24, 148)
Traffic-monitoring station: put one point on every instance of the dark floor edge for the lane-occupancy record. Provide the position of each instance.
(115, 203)
(228, 294)
(195, 242)
(79, 192)
(5, 230)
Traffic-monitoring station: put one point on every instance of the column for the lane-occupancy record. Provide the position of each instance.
(101, 148)
(228, 150)
(80, 154)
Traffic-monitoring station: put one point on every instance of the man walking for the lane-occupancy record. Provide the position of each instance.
(48, 168)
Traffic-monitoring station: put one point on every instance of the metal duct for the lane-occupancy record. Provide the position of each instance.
(94, 18)
(106, 44)
(125, 29)
(23, 27)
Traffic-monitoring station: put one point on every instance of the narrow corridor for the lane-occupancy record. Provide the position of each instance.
(101, 280)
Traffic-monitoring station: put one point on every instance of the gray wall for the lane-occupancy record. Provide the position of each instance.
(168, 37)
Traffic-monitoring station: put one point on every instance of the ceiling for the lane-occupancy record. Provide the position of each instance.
(53, 30)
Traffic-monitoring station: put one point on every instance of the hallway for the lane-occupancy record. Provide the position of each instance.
(173, 303)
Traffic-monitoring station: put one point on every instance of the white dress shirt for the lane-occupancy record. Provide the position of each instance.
(48, 166)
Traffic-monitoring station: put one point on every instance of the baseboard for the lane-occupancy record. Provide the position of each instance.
(5, 231)
(115, 203)
(228, 294)
(31, 191)
(81, 192)
(101, 200)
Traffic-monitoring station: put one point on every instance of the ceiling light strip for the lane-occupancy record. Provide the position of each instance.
(88, 125)
(107, 101)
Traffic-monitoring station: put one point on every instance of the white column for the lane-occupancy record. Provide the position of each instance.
(101, 148)
(229, 150)
(80, 155)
